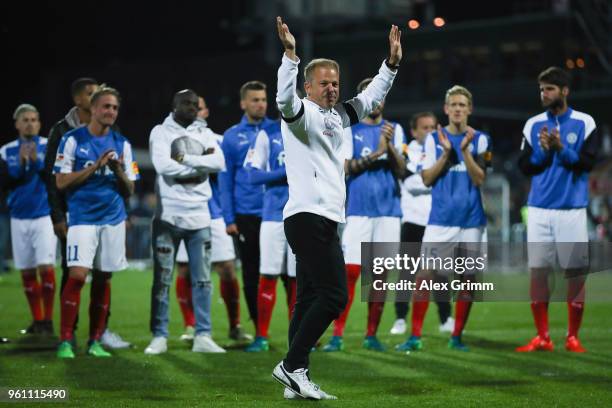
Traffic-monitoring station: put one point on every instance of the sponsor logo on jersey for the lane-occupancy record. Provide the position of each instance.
(458, 167)
(365, 151)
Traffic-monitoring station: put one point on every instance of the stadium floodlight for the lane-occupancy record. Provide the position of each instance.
(439, 22)
(413, 24)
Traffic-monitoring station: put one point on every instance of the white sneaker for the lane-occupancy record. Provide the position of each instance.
(157, 346)
(189, 333)
(399, 327)
(113, 340)
(448, 326)
(290, 395)
(297, 380)
(203, 343)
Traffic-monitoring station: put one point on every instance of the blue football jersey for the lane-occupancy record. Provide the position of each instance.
(29, 199)
(97, 201)
(456, 201)
(558, 186)
(375, 192)
(267, 153)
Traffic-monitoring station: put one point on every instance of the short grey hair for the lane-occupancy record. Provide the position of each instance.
(23, 108)
(319, 62)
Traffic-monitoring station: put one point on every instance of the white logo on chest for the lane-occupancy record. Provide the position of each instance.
(572, 138)
(281, 158)
(365, 151)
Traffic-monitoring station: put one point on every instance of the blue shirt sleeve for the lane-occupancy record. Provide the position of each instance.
(226, 182)
(568, 156)
(257, 176)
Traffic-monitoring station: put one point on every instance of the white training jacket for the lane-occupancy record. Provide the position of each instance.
(183, 189)
(313, 136)
(416, 196)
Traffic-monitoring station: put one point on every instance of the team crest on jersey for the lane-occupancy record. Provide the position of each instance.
(572, 138)
(329, 126)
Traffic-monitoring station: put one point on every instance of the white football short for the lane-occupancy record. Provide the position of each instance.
(100, 247)
(222, 244)
(442, 242)
(276, 256)
(368, 229)
(557, 234)
(34, 242)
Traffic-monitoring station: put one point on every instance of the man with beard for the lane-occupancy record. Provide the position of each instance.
(184, 151)
(78, 116)
(96, 168)
(373, 214)
(32, 236)
(241, 201)
(559, 149)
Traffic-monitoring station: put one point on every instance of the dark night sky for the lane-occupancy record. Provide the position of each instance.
(37, 38)
(147, 49)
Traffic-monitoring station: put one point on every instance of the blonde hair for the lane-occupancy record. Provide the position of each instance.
(319, 62)
(102, 90)
(23, 108)
(458, 90)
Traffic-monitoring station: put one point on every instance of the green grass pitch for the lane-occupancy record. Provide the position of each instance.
(490, 375)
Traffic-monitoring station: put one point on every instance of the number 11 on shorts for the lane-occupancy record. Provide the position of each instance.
(73, 253)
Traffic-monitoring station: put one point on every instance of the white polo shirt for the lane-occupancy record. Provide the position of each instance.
(313, 138)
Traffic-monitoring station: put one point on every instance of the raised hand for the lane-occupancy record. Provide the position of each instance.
(544, 138)
(443, 139)
(467, 139)
(286, 38)
(395, 45)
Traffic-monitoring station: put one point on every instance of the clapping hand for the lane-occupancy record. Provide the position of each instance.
(467, 139)
(443, 140)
